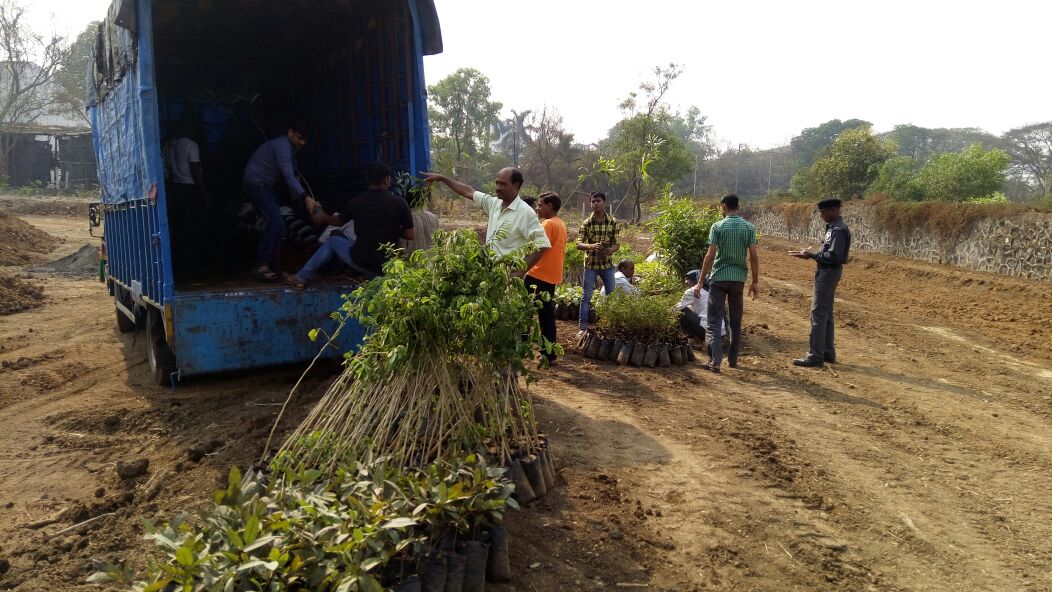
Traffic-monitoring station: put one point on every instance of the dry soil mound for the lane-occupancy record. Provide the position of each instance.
(17, 295)
(83, 263)
(21, 242)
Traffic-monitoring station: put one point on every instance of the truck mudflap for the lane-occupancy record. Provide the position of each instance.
(217, 331)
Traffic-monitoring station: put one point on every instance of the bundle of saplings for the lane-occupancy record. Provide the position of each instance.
(448, 333)
(637, 330)
(368, 526)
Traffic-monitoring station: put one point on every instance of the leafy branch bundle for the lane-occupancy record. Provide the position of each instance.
(449, 330)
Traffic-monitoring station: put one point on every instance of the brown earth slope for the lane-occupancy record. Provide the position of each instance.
(918, 463)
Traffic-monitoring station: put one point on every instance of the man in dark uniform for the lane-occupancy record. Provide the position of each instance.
(830, 260)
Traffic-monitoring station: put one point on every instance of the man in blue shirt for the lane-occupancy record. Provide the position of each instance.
(272, 162)
(829, 260)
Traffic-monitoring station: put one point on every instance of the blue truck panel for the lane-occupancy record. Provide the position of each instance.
(362, 91)
(217, 331)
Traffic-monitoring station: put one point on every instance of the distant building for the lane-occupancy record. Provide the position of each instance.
(41, 147)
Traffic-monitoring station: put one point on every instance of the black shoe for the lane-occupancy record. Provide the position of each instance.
(732, 363)
(830, 360)
(807, 363)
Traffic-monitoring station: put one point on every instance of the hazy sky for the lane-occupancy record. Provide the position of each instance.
(761, 70)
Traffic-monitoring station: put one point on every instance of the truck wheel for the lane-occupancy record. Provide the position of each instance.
(124, 324)
(159, 356)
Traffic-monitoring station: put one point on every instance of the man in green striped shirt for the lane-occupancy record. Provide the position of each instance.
(730, 240)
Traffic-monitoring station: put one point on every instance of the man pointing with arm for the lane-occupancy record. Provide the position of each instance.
(512, 224)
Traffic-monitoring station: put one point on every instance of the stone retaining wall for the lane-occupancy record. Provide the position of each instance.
(1018, 245)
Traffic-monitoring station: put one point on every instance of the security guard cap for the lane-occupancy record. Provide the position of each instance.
(826, 204)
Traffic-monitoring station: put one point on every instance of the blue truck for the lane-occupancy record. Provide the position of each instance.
(351, 69)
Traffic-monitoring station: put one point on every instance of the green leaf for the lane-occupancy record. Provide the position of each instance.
(184, 556)
(102, 577)
(313, 334)
(370, 563)
(252, 529)
(268, 565)
(400, 523)
(367, 583)
(261, 542)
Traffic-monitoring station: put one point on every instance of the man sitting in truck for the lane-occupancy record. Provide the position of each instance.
(271, 162)
(380, 218)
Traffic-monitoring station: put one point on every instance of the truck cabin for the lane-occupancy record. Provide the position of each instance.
(230, 75)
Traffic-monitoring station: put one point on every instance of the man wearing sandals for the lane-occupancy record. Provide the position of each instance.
(731, 241)
(380, 218)
(273, 161)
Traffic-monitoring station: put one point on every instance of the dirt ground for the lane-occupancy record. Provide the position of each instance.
(920, 462)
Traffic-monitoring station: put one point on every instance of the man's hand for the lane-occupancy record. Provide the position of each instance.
(311, 204)
(429, 177)
(609, 250)
(804, 254)
(697, 290)
(754, 290)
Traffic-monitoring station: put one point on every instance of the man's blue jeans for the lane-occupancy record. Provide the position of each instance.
(265, 198)
(337, 246)
(590, 276)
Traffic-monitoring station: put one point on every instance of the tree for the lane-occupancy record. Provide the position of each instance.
(511, 134)
(921, 144)
(647, 151)
(70, 92)
(897, 179)
(461, 116)
(695, 132)
(550, 157)
(959, 176)
(814, 141)
(1030, 148)
(851, 164)
(28, 67)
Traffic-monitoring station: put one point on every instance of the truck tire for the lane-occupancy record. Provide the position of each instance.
(124, 324)
(159, 356)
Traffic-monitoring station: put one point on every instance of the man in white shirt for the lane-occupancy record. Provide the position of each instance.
(187, 199)
(512, 224)
(626, 271)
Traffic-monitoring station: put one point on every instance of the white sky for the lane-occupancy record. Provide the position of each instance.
(761, 70)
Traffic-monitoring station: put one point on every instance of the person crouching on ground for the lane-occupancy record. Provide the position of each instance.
(625, 276)
(693, 310)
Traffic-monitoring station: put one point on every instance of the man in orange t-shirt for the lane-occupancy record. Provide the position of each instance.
(548, 271)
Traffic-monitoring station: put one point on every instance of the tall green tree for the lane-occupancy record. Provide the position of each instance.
(851, 164)
(897, 179)
(70, 85)
(1030, 148)
(648, 152)
(959, 176)
(814, 141)
(462, 116)
(921, 143)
